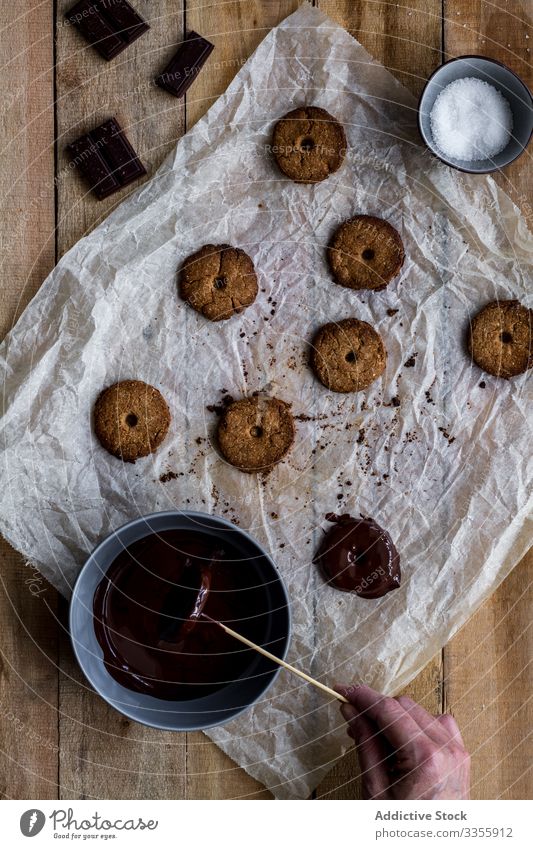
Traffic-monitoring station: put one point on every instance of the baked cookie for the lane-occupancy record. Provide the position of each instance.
(131, 419)
(501, 338)
(218, 281)
(308, 144)
(365, 253)
(348, 355)
(255, 433)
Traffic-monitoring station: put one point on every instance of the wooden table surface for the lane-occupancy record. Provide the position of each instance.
(58, 739)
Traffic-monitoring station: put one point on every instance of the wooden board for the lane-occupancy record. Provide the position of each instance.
(104, 755)
(52, 726)
(486, 665)
(505, 33)
(89, 90)
(487, 670)
(28, 674)
(404, 36)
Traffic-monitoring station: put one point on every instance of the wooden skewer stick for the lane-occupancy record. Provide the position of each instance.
(277, 660)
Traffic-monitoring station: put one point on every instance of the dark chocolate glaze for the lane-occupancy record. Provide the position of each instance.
(147, 615)
(358, 556)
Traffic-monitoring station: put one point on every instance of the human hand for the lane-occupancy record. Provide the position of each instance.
(405, 752)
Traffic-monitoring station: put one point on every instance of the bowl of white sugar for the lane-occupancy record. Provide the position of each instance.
(475, 114)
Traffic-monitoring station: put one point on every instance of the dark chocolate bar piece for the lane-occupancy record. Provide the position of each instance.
(106, 159)
(116, 149)
(184, 66)
(109, 25)
(89, 159)
(129, 23)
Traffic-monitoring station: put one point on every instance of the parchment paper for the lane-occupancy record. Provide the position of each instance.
(446, 471)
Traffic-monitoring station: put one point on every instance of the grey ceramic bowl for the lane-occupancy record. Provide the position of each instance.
(195, 714)
(502, 78)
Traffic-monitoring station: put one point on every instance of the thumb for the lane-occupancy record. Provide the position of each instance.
(342, 689)
(372, 753)
(346, 690)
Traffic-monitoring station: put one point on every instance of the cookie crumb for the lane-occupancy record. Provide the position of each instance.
(168, 476)
(220, 408)
(446, 435)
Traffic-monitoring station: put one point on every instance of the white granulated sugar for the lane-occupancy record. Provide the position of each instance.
(471, 120)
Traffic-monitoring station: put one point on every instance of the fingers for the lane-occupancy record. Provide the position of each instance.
(441, 728)
(448, 722)
(349, 713)
(371, 751)
(345, 690)
(382, 710)
(426, 721)
(428, 753)
(396, 723)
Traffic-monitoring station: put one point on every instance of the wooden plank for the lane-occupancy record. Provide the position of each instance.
(28, 674)
(505, 34)
(29, 749)
(90, 90)
(103, 754)
(486, 664)
(487, 674)
(406, 38)
(403, 36)
(235, 28)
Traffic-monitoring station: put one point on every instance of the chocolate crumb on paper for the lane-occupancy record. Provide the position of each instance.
(446, 435)
(168, 476)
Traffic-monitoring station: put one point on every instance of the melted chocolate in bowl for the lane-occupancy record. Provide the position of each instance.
(357, 555)
(142, 609)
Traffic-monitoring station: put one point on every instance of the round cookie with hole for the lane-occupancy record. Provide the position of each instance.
(218, 281)
(255, 433)
(131, 419)
(308, 144)
(501, 338)
(348, 355)
(365, 253)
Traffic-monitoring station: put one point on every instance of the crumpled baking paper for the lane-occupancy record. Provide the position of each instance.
(436, 451)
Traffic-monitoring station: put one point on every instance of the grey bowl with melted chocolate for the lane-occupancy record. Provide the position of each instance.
(128, 605)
